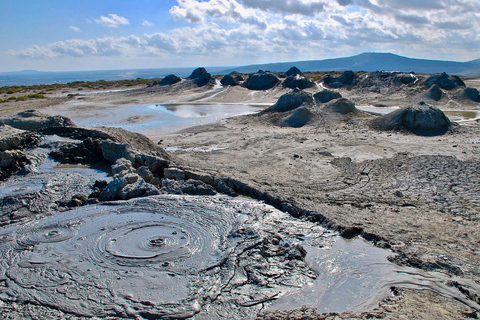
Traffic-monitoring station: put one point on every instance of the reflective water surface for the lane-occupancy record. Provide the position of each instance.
(163, 118)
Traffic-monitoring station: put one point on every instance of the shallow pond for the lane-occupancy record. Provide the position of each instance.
(163, 118)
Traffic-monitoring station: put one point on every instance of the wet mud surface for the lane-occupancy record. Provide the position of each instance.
(44, 184)
(182, 256)
(164, 256)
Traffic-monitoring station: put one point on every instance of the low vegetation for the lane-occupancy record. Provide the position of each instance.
(21, 93)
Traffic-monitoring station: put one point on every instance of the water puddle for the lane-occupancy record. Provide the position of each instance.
(20, 187)
(163, 118)
(196, 149)
(45, 171)
(462, 116)
(353, 275)
(377, 110)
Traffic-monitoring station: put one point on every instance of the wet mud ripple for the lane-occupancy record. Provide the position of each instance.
(158, 257)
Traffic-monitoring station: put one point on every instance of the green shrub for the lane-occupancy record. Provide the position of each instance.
(36, 96)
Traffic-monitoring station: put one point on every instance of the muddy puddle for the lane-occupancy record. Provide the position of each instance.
(171, 256)
(45, 171)
(161, 118)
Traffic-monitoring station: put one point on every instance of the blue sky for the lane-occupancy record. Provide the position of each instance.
(56, 35)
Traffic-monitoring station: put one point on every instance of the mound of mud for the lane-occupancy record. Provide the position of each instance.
(445, 81)
(169, 80)
(435, 93)
(229, 80)
(197, 73)
(326, 95)
(261, 81)
(346, 79)
(33, 120)
(422, 119)
(300, 117)
(291, 101)
(201, 77)
(384, 79)
(293, 71)
(341, 106)
(297, 81)
(472, 94)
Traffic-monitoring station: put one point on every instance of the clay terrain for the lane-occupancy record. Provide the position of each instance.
(235, 218)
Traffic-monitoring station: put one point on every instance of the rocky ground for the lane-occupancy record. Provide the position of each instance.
(416, 195)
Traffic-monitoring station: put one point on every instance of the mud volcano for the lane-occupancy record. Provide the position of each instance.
(422, 119)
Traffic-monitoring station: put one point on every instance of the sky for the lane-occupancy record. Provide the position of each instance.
(71, 35)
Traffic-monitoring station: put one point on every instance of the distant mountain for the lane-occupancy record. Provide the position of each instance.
(372, 62)
(477, 62)
(33, 77)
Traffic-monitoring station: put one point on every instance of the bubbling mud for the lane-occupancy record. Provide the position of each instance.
(116, 260)
(19, 187)
(163, 257)
(171, 256)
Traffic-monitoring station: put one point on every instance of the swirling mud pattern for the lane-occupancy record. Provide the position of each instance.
(154, 257)
(20, 188)
(183, 256)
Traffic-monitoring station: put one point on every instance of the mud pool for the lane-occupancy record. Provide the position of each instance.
(180, 256)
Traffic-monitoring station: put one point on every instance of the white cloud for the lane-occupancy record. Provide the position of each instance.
(112, 21)
(227, 31)
(225, 10)
(306, 8)
(147, 23)
(76, 29)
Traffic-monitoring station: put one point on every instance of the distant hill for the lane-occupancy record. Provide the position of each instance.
(371, 62)
(476, 62)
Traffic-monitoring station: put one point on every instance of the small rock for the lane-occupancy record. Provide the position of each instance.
(155, 181)
(112, 190)
(132, 178)
(122, 165)
(100, 184)
(174, 173)
(145, 173)
(326, 95)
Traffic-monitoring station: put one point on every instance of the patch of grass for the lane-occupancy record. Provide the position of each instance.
(36, 96)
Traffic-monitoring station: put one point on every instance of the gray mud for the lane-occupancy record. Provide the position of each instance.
(163, 256)
(183, 256)
(45, 184)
